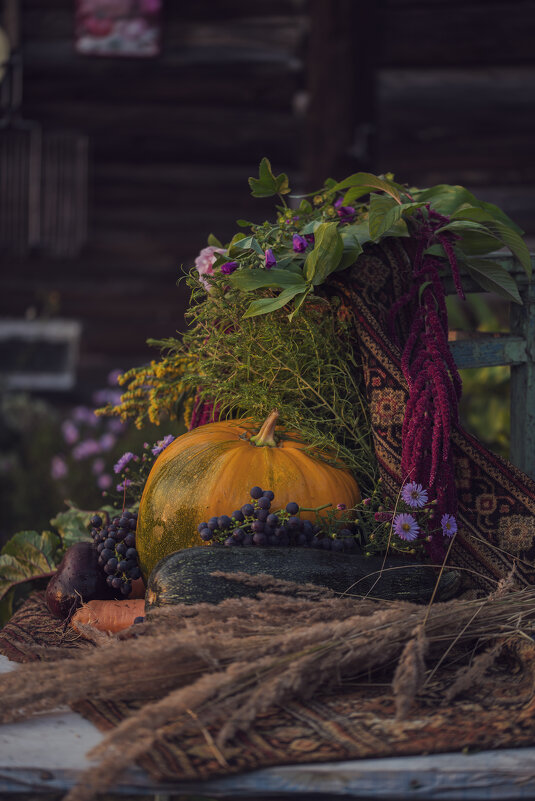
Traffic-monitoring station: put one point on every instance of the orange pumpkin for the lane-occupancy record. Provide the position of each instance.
(210, 470)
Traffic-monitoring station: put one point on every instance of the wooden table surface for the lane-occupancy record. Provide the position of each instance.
(47, 753)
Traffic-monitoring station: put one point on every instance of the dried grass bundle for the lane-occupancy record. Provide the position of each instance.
(221, 666)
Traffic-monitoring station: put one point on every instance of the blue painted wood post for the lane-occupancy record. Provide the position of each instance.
(522, 319)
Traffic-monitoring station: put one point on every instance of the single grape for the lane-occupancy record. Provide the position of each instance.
(116, 582)
(262, 514)
(212, 524)
(259, 538)
(238, 534)
(109, 581)
(206, 535)
(308, 528)
(256, 493)
(106, 554)
(257, 526)
(112, 563)
(96, 521)
(223, 522)
(279, 531)
(263, 502)
(94, 532)
(230, 541)
(247, 541)
(120, 548)
(130, 563)
(101, 561)
(129, 540)
(201, 526)
(292, 508)
(115, 521)
(247, 509)
(126, 589)
(135, 573)
(269, 494)
(109, 570)
(272, 520)
(132, 523)
(109, 543)
(124, 521)
(122, 566)
(100, 547)
(269, 531)
(294, 522)
(238, 516)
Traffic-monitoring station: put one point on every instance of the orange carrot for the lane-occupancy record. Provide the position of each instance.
(110, 616)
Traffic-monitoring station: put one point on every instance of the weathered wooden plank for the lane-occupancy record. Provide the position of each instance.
(489, 351)
(456, 33)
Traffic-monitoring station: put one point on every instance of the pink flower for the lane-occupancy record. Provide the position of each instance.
(58, 468)
(204, 263)
(70, 432)
(104, 481)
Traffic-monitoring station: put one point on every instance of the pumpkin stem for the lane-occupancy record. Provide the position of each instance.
(266, 435)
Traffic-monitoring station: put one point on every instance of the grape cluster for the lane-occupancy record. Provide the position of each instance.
(255, 524)
(115, 543)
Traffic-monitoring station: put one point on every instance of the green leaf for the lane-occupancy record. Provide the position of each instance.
(365, 182)
(360, 230)
(244, 243)
(352, 249)
(299, 300)
(267, 184)
(26, 556)
(265, 305)
(245, 223)
(494, 278)
(72, 525)
(380, 205)
(305, 207)
(214, 241)
(502, 232)
(476, 243)
(449, 200)
(393, 216)
(326, 255)
(513, 241)
(248, 280)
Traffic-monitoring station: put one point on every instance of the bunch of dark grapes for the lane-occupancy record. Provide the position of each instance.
(116, 546)
(255, 524)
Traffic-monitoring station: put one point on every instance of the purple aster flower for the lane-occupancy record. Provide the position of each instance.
(341, 507)
(414, 495)
(346, 213)
(162, 444)
(228, 267)
(107, 441)
(86, 448)
(70, 432)
(299, 243)
(449, 525)
(58, 468)
(406, 527)
(123, 485)
(113, 377)
(123, 461)
(271, 261)
(83, 414)
(103, 396)
(98, 466)
(104, 481)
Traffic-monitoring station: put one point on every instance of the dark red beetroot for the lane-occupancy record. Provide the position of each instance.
(79, 579)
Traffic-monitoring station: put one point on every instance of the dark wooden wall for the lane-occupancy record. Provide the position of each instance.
(435, 91)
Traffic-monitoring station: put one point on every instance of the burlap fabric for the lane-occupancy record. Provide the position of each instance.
(496, 527)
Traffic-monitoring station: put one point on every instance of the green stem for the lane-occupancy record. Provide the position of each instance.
(266, 435)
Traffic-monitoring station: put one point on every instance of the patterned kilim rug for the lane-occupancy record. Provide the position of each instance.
(496, 517)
